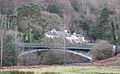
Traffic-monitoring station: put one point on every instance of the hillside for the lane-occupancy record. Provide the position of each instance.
(73, 13)
(72, 10)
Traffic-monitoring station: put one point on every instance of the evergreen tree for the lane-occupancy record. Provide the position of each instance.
(31, 14)
(103, 28)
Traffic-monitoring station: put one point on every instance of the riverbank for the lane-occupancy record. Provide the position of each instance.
(113, 61)
(68, 70)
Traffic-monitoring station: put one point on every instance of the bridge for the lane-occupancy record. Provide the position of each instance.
(77, 49)
(57, 46)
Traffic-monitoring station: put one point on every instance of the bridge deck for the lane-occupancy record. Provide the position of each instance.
(55, 46)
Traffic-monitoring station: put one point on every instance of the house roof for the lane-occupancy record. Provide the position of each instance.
(58, 33)
(51, 33)
(78, 35)
(61, 33)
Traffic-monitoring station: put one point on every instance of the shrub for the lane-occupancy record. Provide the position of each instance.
(28, 59)
(102, 50)
(55, 57)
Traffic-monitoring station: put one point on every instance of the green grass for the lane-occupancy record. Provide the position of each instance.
(74, 70)
(77, 70)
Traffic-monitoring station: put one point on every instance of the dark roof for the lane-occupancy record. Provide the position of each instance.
(78, 35)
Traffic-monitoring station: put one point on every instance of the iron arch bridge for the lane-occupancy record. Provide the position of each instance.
(79, 53)
(77, 49)
(57, 46)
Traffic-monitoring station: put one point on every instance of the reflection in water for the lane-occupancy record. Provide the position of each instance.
(20, 72)
(15, 72)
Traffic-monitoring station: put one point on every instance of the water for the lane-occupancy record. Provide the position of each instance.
(18, 72)
(78, 63)
(15, 72)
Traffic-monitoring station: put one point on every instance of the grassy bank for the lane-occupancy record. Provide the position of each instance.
(71, 70)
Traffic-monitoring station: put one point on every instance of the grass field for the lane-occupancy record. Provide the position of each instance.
(70, 70)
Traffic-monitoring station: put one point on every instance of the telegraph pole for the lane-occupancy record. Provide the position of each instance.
(64, 51)
(1, 60)
(16, 43)
(64, 44)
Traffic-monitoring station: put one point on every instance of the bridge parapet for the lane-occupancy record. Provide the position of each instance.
(55, 46)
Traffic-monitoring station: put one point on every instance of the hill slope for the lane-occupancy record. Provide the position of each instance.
(79, 16)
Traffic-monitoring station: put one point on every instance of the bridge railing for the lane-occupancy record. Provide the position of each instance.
(84, 46)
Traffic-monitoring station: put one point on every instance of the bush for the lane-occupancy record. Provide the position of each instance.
(102, 50)
(55, 57)
(28, 59)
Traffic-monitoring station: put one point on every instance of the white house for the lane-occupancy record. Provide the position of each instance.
(73, 38)
(76, 38)
(51, 34)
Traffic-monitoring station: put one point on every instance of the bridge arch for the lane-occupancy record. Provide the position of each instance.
(70, 51)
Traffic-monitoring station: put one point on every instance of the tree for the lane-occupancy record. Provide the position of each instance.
(103, 29)
(29, 10)
(31, 14)
(7, 7)
(85, 26)
(9, 52)
(75, 5)
(113, 31)
(7, 10)
(54, 8)
(74, 24)
(27, 14)
(37, 35)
